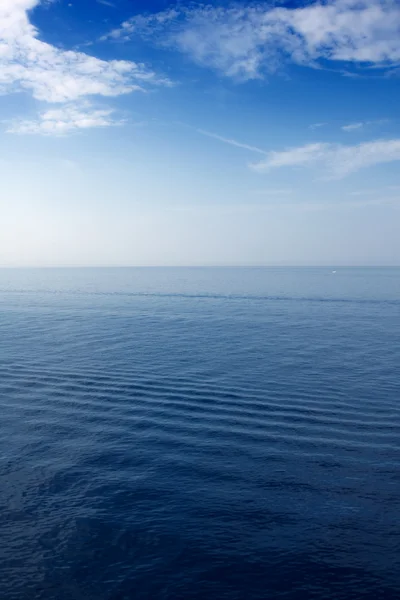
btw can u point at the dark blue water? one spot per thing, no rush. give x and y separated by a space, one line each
200 434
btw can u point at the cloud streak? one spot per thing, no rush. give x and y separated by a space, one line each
335 159
231 141
317 125
353 126
107 3
362 124
246 42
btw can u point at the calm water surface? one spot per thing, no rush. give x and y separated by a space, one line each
200 434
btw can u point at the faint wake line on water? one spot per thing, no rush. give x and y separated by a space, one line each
200 296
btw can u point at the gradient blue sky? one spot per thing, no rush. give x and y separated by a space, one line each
164 133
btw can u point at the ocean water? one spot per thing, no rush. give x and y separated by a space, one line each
200 434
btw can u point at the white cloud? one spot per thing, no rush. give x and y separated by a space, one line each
317 125
63 120
57 76
338 160
353 126
361 124
145 24
245 41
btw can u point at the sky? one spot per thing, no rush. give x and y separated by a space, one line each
149 132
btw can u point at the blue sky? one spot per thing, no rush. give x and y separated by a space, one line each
164 133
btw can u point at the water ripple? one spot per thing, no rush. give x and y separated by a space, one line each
242 443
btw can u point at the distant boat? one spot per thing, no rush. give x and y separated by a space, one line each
333 271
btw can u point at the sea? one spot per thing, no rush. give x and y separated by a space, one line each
200 434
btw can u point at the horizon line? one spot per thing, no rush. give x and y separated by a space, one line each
205 266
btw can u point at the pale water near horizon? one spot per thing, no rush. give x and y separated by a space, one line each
200 434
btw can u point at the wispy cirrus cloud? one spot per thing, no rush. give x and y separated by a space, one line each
317 125
245 42
362 124
52 75
353 126
336 160
107 3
